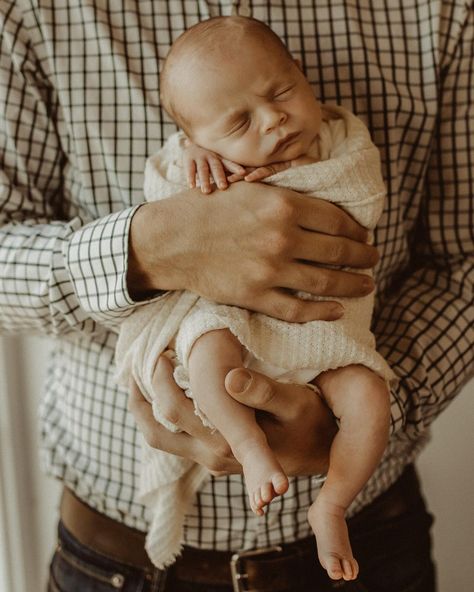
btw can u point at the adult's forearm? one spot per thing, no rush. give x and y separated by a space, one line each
57 277
252 246
426 332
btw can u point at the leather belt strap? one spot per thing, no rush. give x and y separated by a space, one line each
102 534
274 569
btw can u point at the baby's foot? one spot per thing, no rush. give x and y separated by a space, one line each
264 477
334 549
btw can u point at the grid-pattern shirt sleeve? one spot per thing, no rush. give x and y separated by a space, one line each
425 327
57 275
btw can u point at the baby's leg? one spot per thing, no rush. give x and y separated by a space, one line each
212 357
360 399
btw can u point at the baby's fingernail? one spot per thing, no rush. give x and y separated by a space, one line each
337 310
238 380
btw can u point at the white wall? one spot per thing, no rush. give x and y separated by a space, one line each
447 472
446 467
30 500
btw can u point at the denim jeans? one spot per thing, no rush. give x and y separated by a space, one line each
394 555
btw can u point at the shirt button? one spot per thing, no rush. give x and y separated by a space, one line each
117 580
244 8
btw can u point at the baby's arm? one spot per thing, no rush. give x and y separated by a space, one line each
253 174
201 164
213 355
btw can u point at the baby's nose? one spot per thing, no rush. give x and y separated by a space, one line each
273 120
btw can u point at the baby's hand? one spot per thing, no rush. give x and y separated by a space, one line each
203 165
253 174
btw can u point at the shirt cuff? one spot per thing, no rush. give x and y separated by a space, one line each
97 260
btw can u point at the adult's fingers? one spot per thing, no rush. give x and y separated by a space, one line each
283 400
199 444
321 281
175 407
323 216
155 434
282 305
297 422
334 250
206 447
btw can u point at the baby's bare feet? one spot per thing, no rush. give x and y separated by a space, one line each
264 477
334 549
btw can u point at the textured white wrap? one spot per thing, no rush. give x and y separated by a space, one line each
349 175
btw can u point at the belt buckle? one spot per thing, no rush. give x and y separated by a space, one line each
239 576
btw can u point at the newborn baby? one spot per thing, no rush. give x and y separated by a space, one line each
248 113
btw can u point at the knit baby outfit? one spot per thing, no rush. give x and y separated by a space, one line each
348 174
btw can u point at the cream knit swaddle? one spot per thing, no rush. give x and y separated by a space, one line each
348 175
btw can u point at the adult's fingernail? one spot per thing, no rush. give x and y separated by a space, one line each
239 380
369 284
337 310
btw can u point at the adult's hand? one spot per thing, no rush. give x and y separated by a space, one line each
298 425
251 246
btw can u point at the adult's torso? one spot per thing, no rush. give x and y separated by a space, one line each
101 61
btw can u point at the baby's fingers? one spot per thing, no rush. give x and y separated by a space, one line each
235 177
259 173
233 167
203 174
240 176
218 173
190 167
266 171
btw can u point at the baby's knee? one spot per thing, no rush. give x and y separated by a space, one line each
366 394
368 384
218 349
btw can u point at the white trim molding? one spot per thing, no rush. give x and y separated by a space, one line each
15 544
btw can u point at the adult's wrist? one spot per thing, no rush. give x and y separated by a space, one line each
140 281
159 247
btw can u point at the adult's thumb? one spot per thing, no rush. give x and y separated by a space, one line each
253 389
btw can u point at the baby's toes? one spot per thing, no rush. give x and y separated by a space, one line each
256 503
350 568
280 483
334 567
267 493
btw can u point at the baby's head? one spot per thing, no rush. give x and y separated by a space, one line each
233 87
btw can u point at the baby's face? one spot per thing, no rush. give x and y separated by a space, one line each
254 110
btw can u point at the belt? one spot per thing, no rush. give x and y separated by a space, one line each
272 568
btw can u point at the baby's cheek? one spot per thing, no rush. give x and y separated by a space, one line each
247 152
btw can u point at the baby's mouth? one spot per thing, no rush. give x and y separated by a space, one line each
284 142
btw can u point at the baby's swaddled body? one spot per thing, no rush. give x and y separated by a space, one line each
347 174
